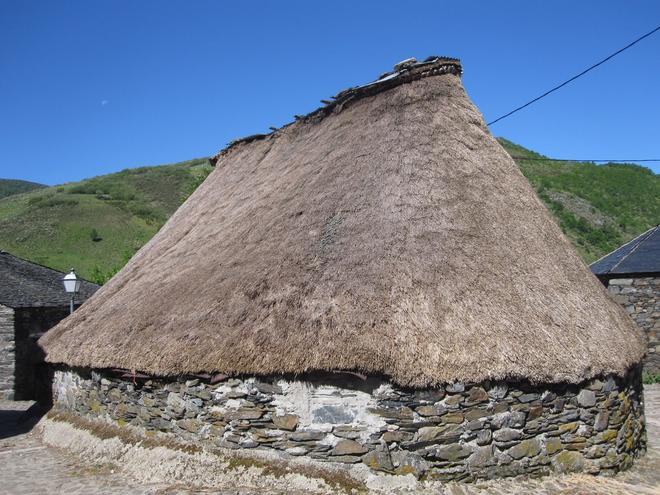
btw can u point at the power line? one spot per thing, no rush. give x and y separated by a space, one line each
575 77
583 160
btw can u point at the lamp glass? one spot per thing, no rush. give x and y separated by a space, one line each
71 282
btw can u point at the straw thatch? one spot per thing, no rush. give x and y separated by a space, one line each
387 234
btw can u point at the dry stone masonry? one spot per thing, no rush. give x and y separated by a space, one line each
458 432
641 299
7 352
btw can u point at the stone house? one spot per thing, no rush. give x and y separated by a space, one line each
32 300
631 274
374 286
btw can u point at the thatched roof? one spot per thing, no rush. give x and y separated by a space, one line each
390 234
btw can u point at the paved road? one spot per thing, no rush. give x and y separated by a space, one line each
31 468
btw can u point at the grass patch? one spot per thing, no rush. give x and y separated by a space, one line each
598 207
10 187
97 224
650 378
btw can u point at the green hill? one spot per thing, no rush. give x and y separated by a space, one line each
599 207
96 225
9 187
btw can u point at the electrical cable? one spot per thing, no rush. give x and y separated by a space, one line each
583 160
575 77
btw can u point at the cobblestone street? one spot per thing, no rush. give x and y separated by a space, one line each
30 467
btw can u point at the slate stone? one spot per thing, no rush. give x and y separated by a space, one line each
287 422
268 388
528 397
306 436
454 388
568 462
348 447
552 445
378 460
333 415
437 433
433 395
534 412
473 414
513 419
477 395
453 452
245 413
498 391
482 457
453 401
296 451
409 463
397 436
427 411
506 435
602 420
484 437
191 425
586 398
350 432
455 418
596 386
526 448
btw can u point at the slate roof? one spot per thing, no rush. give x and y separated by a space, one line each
639 256
24 284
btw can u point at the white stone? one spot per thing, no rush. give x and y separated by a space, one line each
621 281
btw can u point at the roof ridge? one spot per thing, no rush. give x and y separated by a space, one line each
25 260
641 238
406 71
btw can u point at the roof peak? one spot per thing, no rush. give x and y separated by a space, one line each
406 71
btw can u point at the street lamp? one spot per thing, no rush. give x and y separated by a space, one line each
71 286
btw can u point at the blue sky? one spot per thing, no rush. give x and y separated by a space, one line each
91 87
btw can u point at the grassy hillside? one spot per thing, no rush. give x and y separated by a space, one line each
97 224
599 207
9 187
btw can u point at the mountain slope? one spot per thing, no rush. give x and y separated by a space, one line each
599 207
9 187
97 224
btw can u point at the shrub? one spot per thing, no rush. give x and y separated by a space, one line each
649 378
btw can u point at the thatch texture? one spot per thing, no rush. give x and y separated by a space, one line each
393 235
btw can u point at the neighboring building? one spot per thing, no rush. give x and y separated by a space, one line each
32 300
632 275
375 283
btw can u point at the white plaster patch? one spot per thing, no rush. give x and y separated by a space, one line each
323 407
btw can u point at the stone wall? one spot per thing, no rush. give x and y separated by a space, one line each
30 371
454 433
7 352
641 299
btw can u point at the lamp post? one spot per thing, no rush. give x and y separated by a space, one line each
71 286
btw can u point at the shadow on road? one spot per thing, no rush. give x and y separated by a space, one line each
19 421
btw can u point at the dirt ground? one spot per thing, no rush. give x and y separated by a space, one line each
31 467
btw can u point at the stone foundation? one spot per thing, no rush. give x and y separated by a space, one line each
641 299
458 432
7 352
